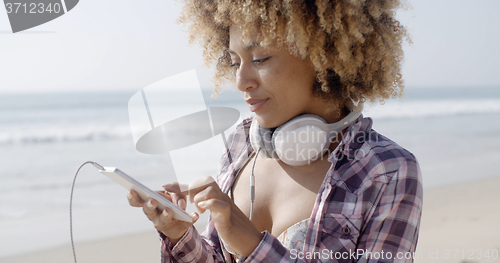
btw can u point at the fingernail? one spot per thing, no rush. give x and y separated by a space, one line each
166 185
195 216
182 203
201 204
129 195
150 203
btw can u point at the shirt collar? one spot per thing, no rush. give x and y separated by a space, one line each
356 134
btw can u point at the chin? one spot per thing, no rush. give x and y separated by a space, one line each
266 121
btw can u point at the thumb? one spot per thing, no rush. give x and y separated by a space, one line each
195 217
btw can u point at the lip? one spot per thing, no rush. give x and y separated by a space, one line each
255 104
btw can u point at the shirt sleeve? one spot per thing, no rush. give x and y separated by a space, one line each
392 230
193 247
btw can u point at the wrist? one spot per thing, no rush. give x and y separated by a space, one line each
174 239
252 244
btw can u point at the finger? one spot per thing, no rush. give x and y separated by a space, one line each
182 204
200 209
165 194
217 207
149 209
179 200
134 199
199 185
205 194
176 188
166 216
195 217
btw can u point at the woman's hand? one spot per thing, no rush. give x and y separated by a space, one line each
163 221
231 223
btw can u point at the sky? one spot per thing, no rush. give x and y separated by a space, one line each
129 44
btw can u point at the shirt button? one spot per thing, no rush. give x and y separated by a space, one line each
181 254
346 230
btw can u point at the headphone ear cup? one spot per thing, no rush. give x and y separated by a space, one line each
261 138
294 122
301 140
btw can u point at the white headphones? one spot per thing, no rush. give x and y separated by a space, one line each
301 140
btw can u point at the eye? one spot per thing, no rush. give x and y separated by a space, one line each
235 65
258 61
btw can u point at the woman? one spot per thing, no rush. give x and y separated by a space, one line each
360 198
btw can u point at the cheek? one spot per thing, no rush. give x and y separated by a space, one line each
271 74
275 81
301 82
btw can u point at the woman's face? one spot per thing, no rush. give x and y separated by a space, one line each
276 85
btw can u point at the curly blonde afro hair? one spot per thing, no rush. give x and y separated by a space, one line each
354 45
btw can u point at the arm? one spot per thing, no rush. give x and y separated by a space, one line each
207 245
229 223
193 247
180 241
207 248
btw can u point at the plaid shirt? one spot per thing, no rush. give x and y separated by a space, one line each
368 208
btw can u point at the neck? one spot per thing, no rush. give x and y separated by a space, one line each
330 113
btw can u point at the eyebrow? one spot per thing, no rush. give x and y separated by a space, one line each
247 48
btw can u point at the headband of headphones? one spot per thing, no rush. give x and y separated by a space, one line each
301 140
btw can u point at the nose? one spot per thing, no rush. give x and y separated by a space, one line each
246 78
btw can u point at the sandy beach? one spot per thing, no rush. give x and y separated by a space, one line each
460 223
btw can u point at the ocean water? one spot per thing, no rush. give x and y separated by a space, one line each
455 134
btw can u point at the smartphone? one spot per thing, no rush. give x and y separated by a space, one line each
144 192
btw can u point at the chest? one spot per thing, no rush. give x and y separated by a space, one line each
284 195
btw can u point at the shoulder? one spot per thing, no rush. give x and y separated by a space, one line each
367 155
237 150
238 140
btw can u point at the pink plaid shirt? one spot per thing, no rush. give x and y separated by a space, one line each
368 208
